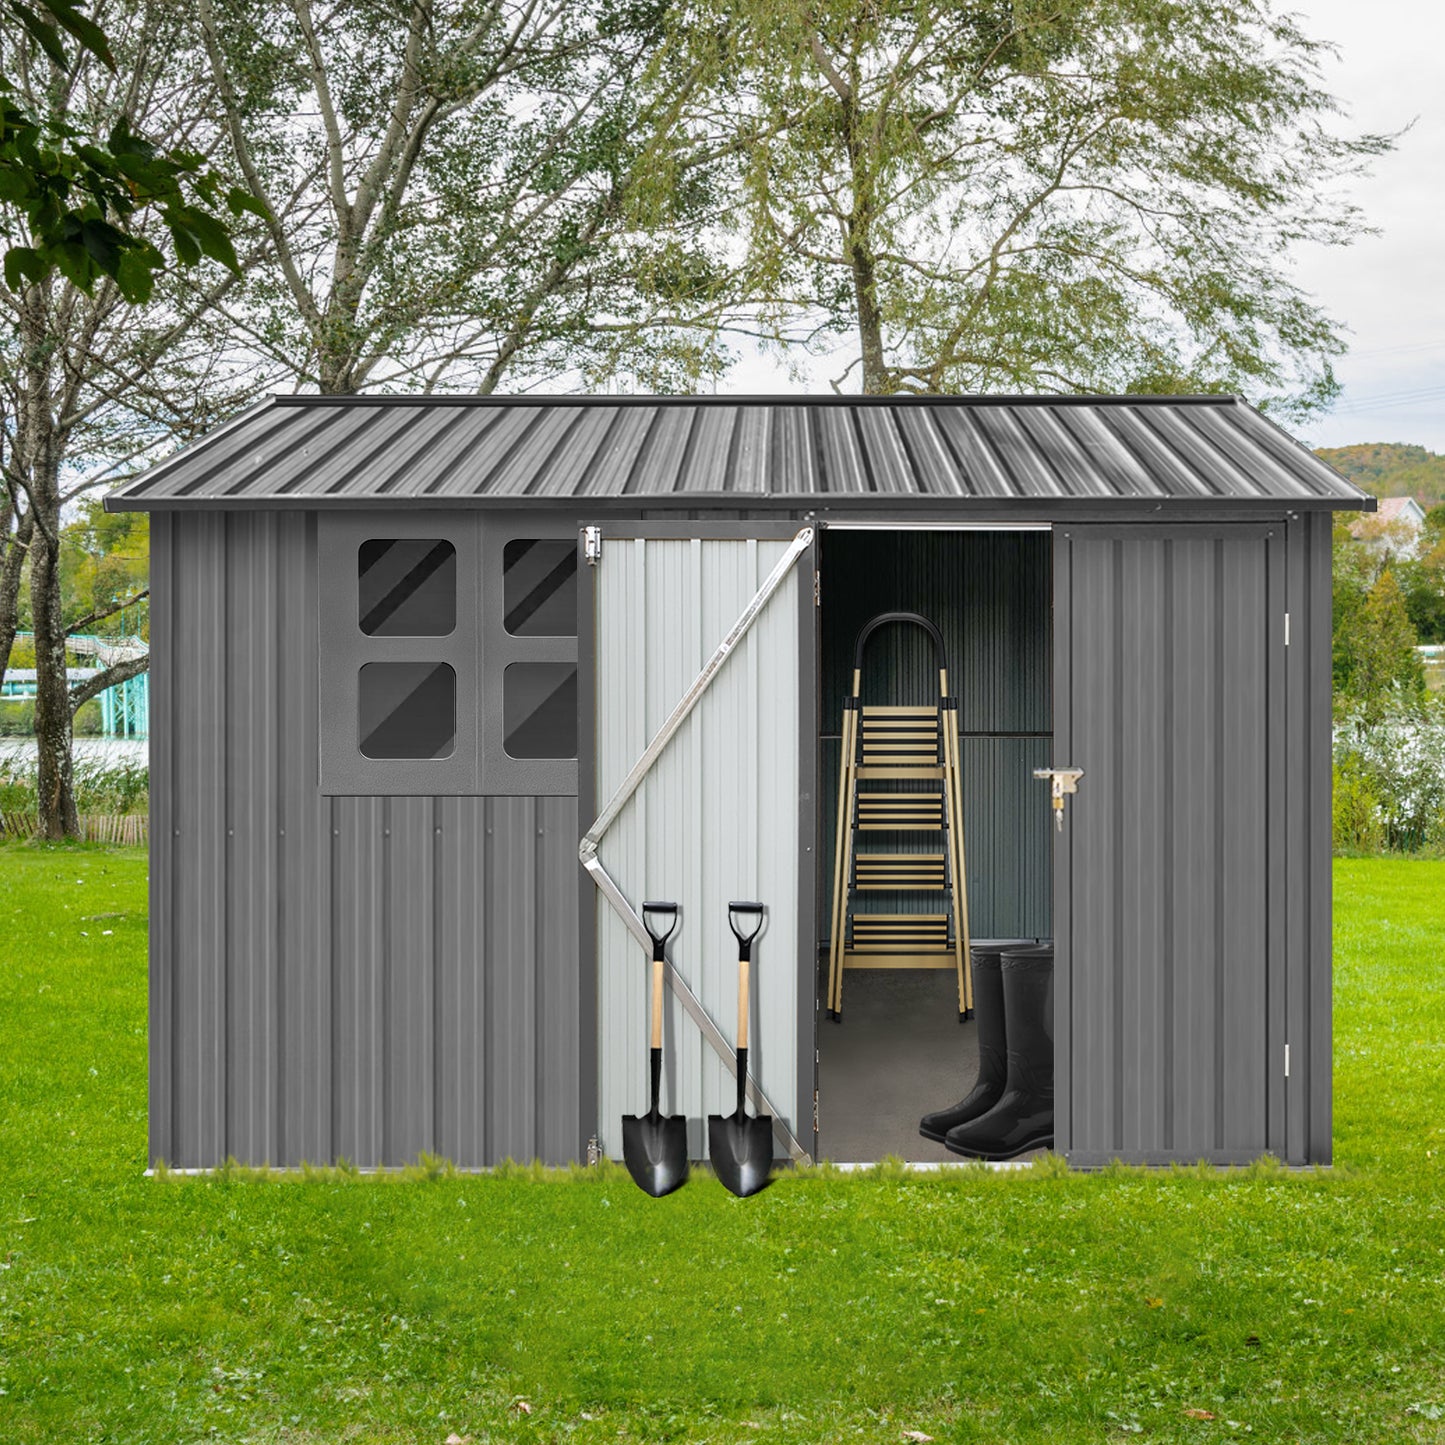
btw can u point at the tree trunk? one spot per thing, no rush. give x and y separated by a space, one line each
16 546
857 243
55 780
876 378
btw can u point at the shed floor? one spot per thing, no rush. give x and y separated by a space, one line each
899 1052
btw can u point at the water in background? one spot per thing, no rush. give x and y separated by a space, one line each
90 750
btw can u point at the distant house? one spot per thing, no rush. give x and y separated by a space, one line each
1394 528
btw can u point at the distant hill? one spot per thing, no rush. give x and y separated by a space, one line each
1391 469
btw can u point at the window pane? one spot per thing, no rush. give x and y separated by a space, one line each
408 587
408 709
539 581
539 710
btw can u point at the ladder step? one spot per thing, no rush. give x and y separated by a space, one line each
900 811
899 870
898 932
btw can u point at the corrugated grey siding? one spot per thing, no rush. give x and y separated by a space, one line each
990 594
716 819
310 451
1171 973
358 978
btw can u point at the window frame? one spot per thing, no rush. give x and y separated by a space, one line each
502 774
344 649
479 649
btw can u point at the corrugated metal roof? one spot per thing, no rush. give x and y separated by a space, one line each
416 451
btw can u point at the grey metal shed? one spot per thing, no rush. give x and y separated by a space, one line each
411 657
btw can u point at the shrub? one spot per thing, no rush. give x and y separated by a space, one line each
102 785
1357 826
1392 769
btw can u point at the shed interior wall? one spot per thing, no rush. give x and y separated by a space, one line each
900 1050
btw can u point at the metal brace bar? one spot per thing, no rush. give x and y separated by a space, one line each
693 695
607 885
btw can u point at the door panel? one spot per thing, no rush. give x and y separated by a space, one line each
1167 640
716 817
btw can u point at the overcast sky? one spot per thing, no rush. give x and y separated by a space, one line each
1389 289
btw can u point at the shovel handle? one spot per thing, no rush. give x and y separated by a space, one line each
657 967
744 967
743 935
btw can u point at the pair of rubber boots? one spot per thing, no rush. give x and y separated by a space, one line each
1010 1109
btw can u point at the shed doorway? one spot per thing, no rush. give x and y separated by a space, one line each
899 1050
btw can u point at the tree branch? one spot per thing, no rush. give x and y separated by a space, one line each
117 672
100 614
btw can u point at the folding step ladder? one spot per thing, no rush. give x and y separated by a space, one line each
899 773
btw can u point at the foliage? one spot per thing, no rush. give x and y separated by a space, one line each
1356 824
102 784
1374 660
105 560
1390 779
1391 470
74 200
1040 1306
1422 578
1094 195
464 195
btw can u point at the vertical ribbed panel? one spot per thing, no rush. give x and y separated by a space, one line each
358 978
1169 960
715 819
989 593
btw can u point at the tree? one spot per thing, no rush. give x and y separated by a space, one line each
460 192
91 385
1375 661
79 198
1055 195
1422 579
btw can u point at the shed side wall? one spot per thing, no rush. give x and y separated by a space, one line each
317 979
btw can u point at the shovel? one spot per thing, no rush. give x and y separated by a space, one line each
741 1149
654 1148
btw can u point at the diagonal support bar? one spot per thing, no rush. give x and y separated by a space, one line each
607 885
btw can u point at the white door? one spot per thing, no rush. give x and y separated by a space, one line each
702 783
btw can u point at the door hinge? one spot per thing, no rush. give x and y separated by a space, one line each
592 545
1286 629
815 1111
1286 1061
817 589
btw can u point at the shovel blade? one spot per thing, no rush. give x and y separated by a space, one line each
741 1151
654 1148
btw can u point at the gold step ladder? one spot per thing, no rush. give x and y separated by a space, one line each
899 773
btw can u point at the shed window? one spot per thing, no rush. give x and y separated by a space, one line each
539 710
407 709
539 584
407 587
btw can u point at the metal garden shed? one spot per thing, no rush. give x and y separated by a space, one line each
412 658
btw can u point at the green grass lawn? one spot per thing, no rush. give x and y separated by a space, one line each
1036 1306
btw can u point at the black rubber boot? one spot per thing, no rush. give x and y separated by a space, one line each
992 1064
1023 1118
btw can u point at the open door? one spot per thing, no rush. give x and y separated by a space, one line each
1169 694
699 704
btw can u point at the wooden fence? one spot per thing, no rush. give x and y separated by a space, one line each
126 829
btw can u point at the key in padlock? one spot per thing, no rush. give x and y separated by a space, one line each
1062 781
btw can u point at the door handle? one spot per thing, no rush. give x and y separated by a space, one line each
1062 782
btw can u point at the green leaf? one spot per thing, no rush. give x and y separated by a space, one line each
22 266
135 276
207 232
83 28
42 31
238 200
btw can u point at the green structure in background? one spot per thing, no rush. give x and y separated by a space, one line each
124 708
